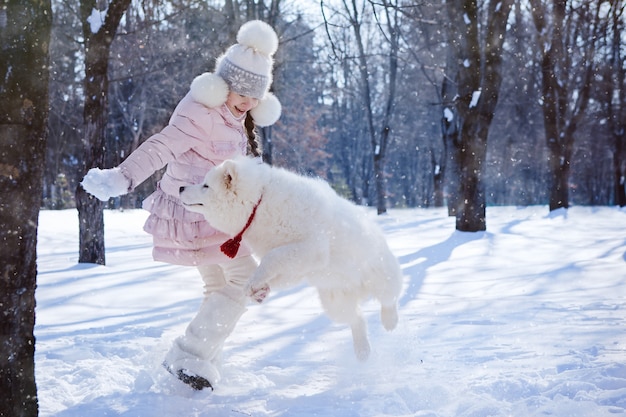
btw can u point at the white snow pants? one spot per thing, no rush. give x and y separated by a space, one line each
198 351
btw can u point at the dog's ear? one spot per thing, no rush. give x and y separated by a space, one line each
230 174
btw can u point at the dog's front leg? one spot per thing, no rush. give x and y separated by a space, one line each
285 266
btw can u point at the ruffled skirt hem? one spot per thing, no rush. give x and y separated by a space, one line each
180 236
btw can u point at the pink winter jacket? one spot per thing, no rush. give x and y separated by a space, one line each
196 139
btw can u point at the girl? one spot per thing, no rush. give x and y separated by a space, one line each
215 121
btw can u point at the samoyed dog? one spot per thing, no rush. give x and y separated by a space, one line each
300 229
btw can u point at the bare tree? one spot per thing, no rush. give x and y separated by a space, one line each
24 37
390 28
568 39
65 118
478 43
354 12
99 29
343 118
614 96
150 69
425 92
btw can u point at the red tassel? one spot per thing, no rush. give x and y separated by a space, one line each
231 246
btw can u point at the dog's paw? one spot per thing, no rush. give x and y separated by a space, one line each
362 351
258 294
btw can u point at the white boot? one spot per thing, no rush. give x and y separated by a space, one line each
194 358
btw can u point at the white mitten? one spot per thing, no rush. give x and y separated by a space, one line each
105 183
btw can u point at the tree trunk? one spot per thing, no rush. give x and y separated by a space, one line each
90 215
471 216
564 105
380 149
266 144
617 111
619 168
479 80
95 115
365 93
378 143
553 105
438 180
559 164
450 131
24 37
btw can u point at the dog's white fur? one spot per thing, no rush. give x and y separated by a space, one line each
303 230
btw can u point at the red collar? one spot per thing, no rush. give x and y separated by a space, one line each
231 246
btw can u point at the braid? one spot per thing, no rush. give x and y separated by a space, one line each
253 142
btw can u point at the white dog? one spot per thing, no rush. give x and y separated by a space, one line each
302 230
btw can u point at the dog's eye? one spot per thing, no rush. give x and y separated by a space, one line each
205 186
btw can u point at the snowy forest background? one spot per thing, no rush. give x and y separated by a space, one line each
397 103
160 46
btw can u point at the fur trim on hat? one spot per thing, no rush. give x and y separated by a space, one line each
267 112
209 89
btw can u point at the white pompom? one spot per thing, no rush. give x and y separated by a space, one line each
209 89
267 112
258 35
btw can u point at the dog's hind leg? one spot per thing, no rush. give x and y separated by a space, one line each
360 340
387 291
343 307
389 316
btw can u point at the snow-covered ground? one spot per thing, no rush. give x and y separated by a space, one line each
526 319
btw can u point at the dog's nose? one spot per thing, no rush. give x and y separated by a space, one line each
181 189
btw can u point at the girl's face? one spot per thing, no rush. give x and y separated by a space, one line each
239 105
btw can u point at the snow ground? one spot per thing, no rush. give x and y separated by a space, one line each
526 319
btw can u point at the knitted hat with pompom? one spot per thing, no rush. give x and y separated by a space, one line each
246 69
